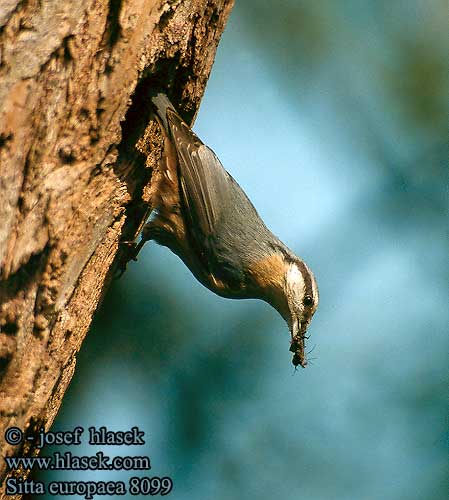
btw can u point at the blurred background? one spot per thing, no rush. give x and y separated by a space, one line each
333 117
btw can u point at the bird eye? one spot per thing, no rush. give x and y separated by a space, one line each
308 301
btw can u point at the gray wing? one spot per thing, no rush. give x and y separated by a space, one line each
205 184
225 229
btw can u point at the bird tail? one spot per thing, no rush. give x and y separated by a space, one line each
161 102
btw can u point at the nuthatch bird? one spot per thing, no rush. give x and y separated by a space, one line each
202 215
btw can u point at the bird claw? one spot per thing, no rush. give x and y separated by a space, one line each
131 249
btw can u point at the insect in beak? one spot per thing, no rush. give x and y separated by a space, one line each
297 345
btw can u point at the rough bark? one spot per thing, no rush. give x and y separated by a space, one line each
78 148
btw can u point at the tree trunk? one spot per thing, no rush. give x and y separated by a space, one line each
77 150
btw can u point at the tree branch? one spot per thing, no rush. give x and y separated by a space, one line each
77 151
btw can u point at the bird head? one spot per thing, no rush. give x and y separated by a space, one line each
301 296
294 293
284 281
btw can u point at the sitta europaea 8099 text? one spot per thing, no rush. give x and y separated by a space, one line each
202 214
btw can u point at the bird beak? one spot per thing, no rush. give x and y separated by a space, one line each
296 327
297 345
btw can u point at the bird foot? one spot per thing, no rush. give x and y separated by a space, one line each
129 252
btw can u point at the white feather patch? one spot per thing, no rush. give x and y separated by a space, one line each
296 289
295 281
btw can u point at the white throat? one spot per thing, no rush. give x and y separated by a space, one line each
296 289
